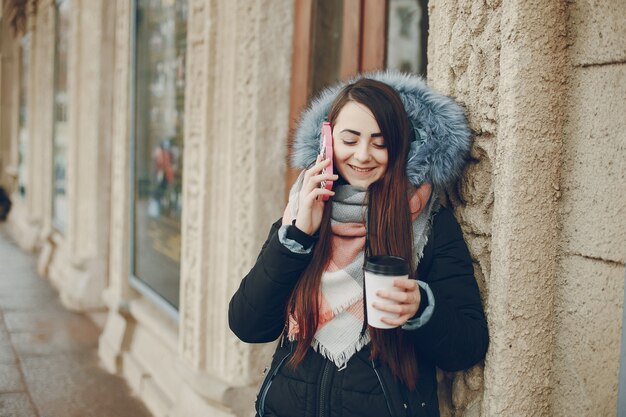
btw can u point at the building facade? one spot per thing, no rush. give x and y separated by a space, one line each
145 142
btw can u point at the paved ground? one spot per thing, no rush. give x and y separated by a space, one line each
48 356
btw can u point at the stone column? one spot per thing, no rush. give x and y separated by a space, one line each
8 114
464 62
51 263
26 222
118 325
239 55
40 168
80 257
505 60
518 371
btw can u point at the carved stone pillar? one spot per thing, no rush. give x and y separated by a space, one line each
118 325
237 107
8 105
40 146
26 220
504 61
79 263
525 245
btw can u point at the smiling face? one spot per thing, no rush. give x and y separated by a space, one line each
360 153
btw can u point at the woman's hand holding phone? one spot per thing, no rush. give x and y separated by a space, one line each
310 202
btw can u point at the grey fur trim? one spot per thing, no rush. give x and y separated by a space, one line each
443 138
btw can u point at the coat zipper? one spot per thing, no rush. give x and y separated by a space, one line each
382 385
323 383
267 383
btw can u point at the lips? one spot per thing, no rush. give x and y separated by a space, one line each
359 169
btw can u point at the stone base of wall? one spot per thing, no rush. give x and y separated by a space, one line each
141 344
80 288
22 230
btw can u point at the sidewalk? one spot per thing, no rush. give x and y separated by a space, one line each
48 355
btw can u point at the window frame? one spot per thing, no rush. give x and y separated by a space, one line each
135 282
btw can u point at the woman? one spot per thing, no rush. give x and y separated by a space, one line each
396 144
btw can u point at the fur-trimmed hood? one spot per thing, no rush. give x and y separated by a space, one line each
442 136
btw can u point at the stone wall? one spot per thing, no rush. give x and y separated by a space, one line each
590 285
544 210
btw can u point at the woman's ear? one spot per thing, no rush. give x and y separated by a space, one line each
420 198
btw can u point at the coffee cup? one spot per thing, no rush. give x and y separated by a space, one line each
380 272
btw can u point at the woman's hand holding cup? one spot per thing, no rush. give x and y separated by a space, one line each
310 203
392 298
408 301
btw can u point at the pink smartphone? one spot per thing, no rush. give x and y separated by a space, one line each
326 150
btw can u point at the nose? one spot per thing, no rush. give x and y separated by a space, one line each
362 152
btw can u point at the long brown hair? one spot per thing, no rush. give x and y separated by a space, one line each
390 229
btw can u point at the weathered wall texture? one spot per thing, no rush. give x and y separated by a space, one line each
544 211
464 62
589 295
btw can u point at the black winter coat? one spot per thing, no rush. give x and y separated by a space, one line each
454 338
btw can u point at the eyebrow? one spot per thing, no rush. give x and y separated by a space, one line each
355 132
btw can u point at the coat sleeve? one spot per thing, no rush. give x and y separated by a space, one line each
256 313
456 336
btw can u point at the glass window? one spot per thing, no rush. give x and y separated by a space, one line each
60 128
326 39
160 47
22 146
407 35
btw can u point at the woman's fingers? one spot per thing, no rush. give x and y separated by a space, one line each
397 321
406 302
314 176
396 308
409 295
317 168
405 284
313 195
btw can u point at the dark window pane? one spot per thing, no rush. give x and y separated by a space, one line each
161 33
326 44
407 35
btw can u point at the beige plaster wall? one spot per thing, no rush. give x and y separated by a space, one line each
544 212
590 286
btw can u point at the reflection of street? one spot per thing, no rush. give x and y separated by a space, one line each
163 240
157 252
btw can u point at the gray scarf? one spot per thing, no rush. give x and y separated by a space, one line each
341 317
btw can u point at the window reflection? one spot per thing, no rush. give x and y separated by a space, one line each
60 134
326 44
23 115
160 84
407 35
